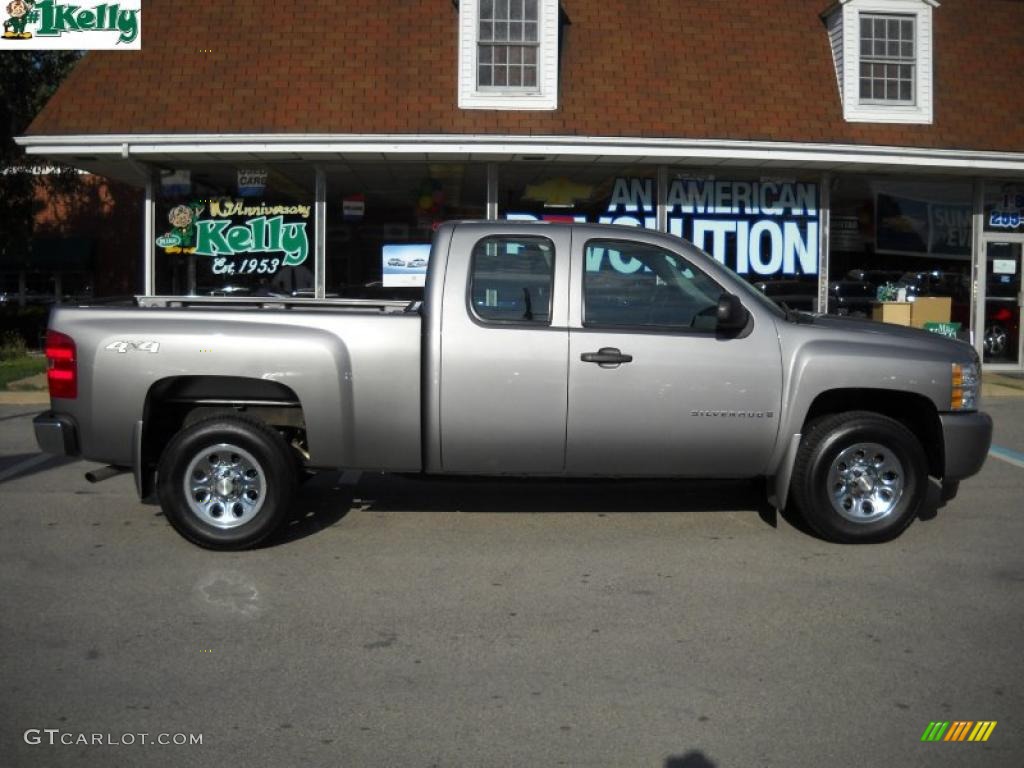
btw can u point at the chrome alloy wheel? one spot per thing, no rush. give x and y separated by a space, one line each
997 339
225 486
865 482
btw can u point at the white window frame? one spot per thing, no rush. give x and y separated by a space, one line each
867 111
886 60
542 97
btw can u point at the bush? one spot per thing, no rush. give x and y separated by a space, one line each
12 345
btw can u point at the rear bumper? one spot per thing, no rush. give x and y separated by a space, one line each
967 438
56 433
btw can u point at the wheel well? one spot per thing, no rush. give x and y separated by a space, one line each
179 401
916 412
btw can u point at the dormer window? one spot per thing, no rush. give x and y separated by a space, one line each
508 54
507 44
882 51
888 59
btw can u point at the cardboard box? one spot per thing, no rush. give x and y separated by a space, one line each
930 309
897 312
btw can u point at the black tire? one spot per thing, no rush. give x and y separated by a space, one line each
252 508
832 444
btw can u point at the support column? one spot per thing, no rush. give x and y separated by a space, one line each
320 236
977 311
149 239
824 217
662 209
492 191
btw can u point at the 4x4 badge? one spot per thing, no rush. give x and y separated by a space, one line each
133 346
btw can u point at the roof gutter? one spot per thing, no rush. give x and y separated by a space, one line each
299 146
145 173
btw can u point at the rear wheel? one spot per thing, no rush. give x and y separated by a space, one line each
226 482
859 477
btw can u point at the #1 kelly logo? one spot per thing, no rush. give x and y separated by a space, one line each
48 24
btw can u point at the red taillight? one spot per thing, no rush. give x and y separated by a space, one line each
61 365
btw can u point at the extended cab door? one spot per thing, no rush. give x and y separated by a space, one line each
653 389
504 344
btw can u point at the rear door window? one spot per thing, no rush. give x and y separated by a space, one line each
511 280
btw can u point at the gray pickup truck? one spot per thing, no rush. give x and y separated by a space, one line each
559 350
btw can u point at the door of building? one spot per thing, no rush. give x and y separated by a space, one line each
1001 318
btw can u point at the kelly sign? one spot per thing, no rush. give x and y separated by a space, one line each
239 228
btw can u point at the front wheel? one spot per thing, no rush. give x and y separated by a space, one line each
226 482
859 477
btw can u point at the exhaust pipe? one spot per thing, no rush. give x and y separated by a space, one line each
105 473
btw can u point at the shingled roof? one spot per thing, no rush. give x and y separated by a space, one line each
660 68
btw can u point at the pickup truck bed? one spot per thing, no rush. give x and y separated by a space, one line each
355 372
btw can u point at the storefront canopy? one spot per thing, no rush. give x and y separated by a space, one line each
129 157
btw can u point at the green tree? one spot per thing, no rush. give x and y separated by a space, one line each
29 79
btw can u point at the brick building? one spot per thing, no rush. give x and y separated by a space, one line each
820 150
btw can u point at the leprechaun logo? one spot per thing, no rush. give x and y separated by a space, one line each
182 236
19 14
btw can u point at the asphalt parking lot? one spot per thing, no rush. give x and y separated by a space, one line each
410 622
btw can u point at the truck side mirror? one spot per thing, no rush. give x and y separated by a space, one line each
732 315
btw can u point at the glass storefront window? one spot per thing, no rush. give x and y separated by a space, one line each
901 240
766 229
607 194
1004 208
224 230
381 218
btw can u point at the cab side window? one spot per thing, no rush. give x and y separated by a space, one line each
511 280
637 285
